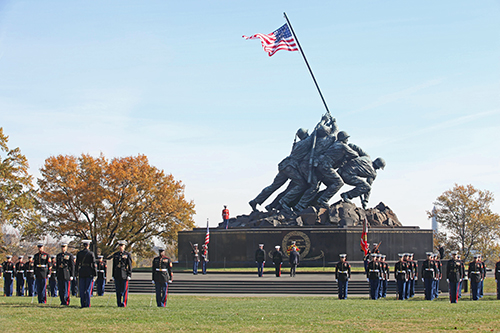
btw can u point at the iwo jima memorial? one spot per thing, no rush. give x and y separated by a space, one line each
321 164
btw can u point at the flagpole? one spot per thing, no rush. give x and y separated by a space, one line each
307 63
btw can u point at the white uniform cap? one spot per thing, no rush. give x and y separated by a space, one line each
343 255
277 247
122 242
86 241
8 256
64 244
261 244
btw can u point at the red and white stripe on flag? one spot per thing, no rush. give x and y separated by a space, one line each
207 236
281 39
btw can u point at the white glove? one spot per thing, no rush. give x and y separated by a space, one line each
48 276
367 280
447 280
71 278
169 281
128 278
422 280
153 282
335 280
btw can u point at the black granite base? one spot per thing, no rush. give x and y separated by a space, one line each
319 245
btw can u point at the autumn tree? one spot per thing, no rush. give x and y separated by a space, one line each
469 224
107 200
17 196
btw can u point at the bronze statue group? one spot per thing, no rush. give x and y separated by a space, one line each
65 272
324 157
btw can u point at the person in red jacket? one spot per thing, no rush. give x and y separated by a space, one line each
225 216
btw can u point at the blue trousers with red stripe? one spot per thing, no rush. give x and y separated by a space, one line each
41 290
64 291
85 285
161 294
454 288
121 287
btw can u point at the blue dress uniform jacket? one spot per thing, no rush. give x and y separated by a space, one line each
122 271
161 274
85 267
64 269
20 278
41 260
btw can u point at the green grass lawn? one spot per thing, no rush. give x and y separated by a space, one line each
256 314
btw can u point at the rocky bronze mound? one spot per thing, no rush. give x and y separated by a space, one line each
339 215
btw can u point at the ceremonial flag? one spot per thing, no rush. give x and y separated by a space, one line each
280 39
364 237
207 236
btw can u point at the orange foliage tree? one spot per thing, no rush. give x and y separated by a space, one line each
108 200
17 196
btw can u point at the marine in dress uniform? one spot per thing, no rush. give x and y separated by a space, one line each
401 276
9 272
20 276
474 272
65 271
122 273
497 278
29 273
101 275
162 276
86 271
428 274
204 258
413 274
385 276
277 260
439 275
454 276
342 275
373 276
42 266
53 277
483 276
195 252
260 259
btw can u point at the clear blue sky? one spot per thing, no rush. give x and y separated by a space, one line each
415 82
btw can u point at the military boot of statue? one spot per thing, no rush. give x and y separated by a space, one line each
345 197
253 204
285 208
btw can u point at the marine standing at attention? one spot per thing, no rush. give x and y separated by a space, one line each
342 275
65 270
86 270
42 263
122 273
162 276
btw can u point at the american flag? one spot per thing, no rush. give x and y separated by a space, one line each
207 236
364 237
280 39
